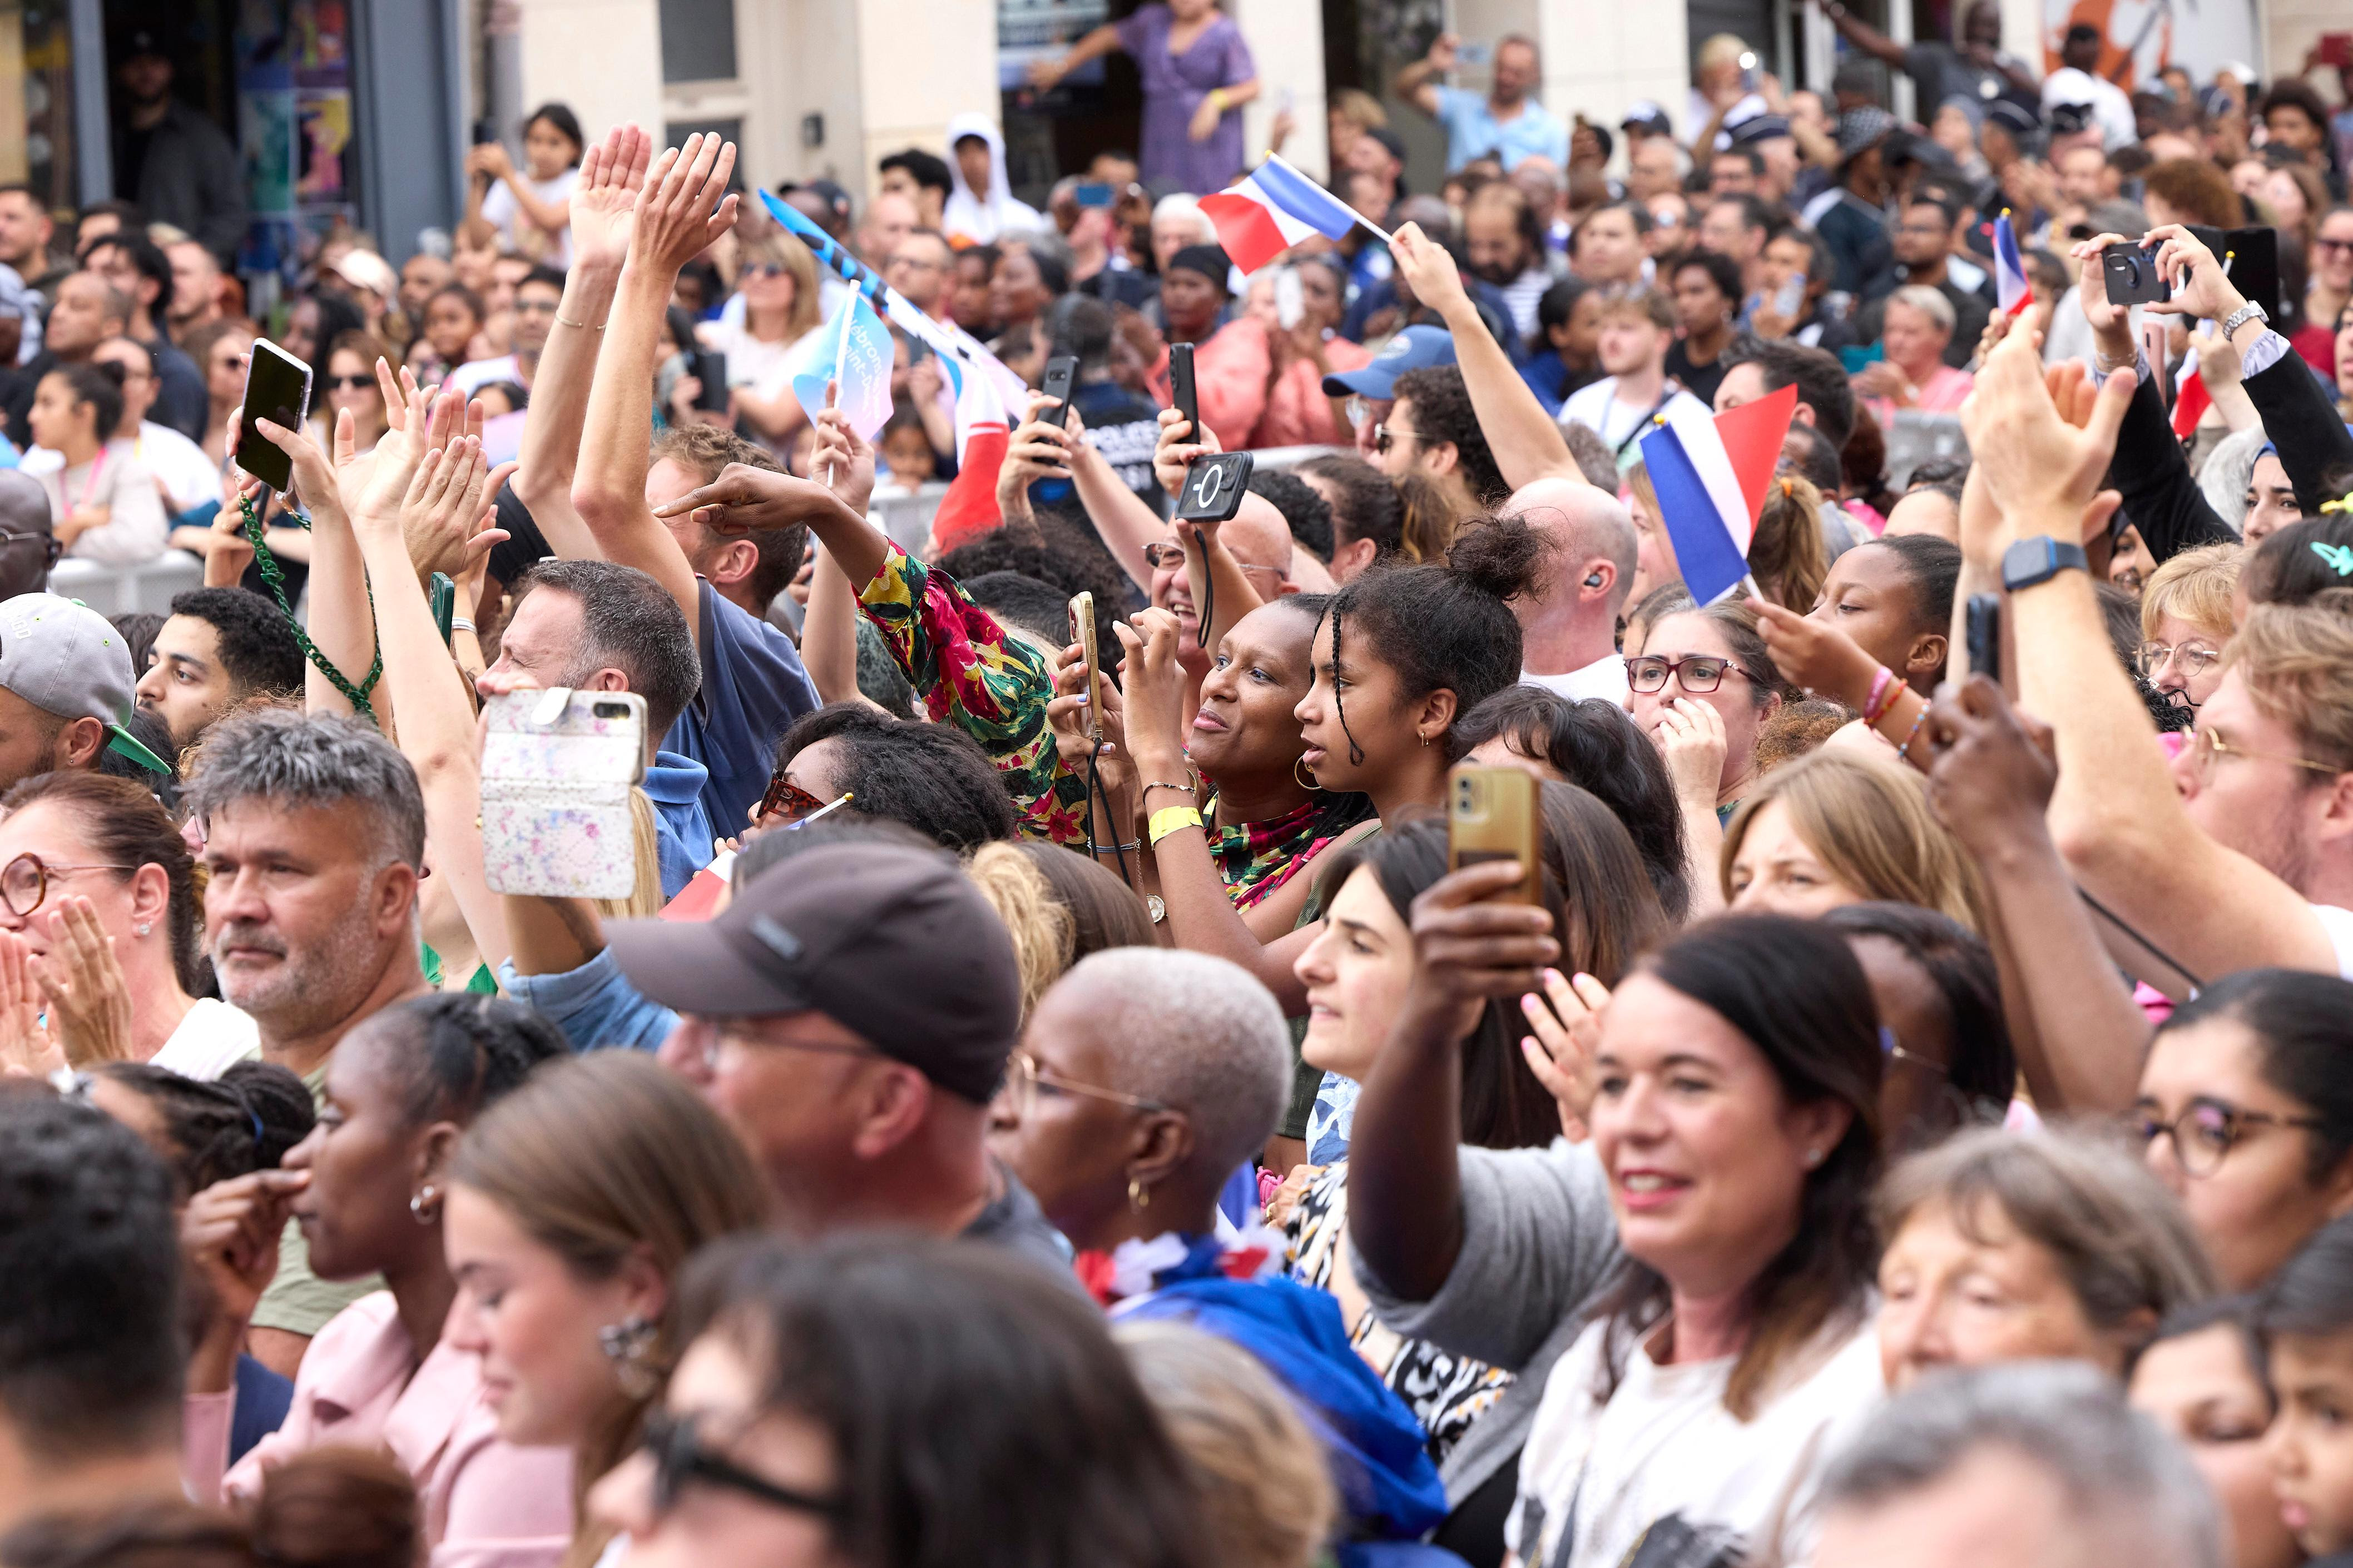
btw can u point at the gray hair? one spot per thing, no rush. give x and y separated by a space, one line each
1199 1035
2126 1483
2121 1240
2229 469
1925 301
628 622
292 759
1042 242
1182 205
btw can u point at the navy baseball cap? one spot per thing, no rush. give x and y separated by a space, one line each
1415 348
1644 115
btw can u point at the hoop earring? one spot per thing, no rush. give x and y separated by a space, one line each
628 1345
1301 776
425 1204
1139 1196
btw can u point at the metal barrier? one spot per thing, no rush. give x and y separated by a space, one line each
122 590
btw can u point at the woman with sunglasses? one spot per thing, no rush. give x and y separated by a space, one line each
352 383
369 1188
92 864
2247 1112
571 1207
778 292
897 1403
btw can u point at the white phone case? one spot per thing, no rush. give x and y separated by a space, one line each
557 767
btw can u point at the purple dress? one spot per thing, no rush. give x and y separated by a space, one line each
1173 87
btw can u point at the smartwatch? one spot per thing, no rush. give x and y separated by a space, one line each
2037 560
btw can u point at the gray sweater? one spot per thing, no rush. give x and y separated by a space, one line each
1539 1241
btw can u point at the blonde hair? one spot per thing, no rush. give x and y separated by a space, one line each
1265 1494
1722 50
2298 662
1432 509
645 900
1867 819
2197 585
788 252
605 1158
1044 935
1359 108
1788 556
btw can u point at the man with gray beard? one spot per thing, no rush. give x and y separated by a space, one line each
314 843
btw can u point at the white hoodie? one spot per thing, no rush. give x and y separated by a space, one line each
973 219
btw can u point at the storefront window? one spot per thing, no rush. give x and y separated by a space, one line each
37 137
294 128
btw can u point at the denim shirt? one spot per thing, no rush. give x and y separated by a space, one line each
594 1005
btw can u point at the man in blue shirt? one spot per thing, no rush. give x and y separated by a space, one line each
1507 123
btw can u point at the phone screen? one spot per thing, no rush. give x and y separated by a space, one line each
1094 194
277 388
711 379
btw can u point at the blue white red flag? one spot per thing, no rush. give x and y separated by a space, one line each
2010 286
1274 209
1710 472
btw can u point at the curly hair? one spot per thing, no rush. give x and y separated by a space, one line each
1442 412
932 777
1306 513
258 647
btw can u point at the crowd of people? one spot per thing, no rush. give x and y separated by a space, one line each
1902 1114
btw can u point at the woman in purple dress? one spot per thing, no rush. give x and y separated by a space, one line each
1197 73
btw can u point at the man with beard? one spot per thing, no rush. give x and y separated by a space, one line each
314 843
176 164
1506 242
1505 122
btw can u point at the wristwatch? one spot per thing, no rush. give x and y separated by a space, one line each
2250 312
2037 560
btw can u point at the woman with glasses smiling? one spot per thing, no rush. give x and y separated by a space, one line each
2247 1112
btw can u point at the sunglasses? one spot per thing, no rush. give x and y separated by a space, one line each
348 382
792 806
1383 438
680 1456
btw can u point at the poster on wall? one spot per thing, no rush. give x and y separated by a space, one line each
2141 38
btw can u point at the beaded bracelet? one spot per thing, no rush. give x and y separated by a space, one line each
1910 735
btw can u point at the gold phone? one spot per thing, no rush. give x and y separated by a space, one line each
1490 815
1082 632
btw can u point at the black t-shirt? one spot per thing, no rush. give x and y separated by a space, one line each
1699 380
131 160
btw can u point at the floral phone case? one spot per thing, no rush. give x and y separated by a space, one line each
558 768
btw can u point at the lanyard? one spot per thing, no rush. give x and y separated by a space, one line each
1644 423
97 467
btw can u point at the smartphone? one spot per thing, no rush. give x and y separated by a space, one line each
1853 358
1790 297
1474 54
1180 388
1093 194
1082 632
558 768
2132 276
1214 488
1984 632
441 594
277 388
1062 373
1290 299
1490 815
709 369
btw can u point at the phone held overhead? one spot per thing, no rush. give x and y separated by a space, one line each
277 388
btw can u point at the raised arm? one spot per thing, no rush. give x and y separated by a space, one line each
2116 816
1418 83
603 204
1527 441
1862 35
681 211
1102 41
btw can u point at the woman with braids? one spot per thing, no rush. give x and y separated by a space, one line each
367 1187
94 873
208 1132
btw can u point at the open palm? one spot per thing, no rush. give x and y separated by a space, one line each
605 201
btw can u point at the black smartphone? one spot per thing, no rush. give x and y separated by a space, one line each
277 388
1180 387
709 370
1061 374
2132 276
1214 487
1984 632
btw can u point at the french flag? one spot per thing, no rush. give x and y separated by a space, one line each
2011 287
1274 209
1710 472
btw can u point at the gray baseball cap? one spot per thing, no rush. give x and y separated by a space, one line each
66 658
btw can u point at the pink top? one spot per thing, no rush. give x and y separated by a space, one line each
1297 412
1942 393
487 1503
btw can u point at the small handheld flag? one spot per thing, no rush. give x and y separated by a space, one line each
856 355
1274 209
2009 281
1710 473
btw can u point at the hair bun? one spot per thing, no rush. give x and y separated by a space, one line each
1500 556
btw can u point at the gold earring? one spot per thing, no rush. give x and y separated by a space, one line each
1304 779
1139 1196
1425 738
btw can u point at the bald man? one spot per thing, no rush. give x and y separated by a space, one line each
1259 540
1568 626
27 547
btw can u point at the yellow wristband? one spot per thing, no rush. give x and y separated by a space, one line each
1217 95
1171 819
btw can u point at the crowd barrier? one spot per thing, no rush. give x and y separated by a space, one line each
1918 438
124 590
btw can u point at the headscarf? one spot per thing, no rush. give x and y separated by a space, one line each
972 219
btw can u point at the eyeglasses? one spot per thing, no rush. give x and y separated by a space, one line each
1385 437
348 382
1358 408
2333 245
1165 557
918 264
2207 746
24 882
764 269
1025 1081
2190 659
529 307
2207 1130
1698 675
680 1457
791 804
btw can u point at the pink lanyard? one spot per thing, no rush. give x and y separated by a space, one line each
97 466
